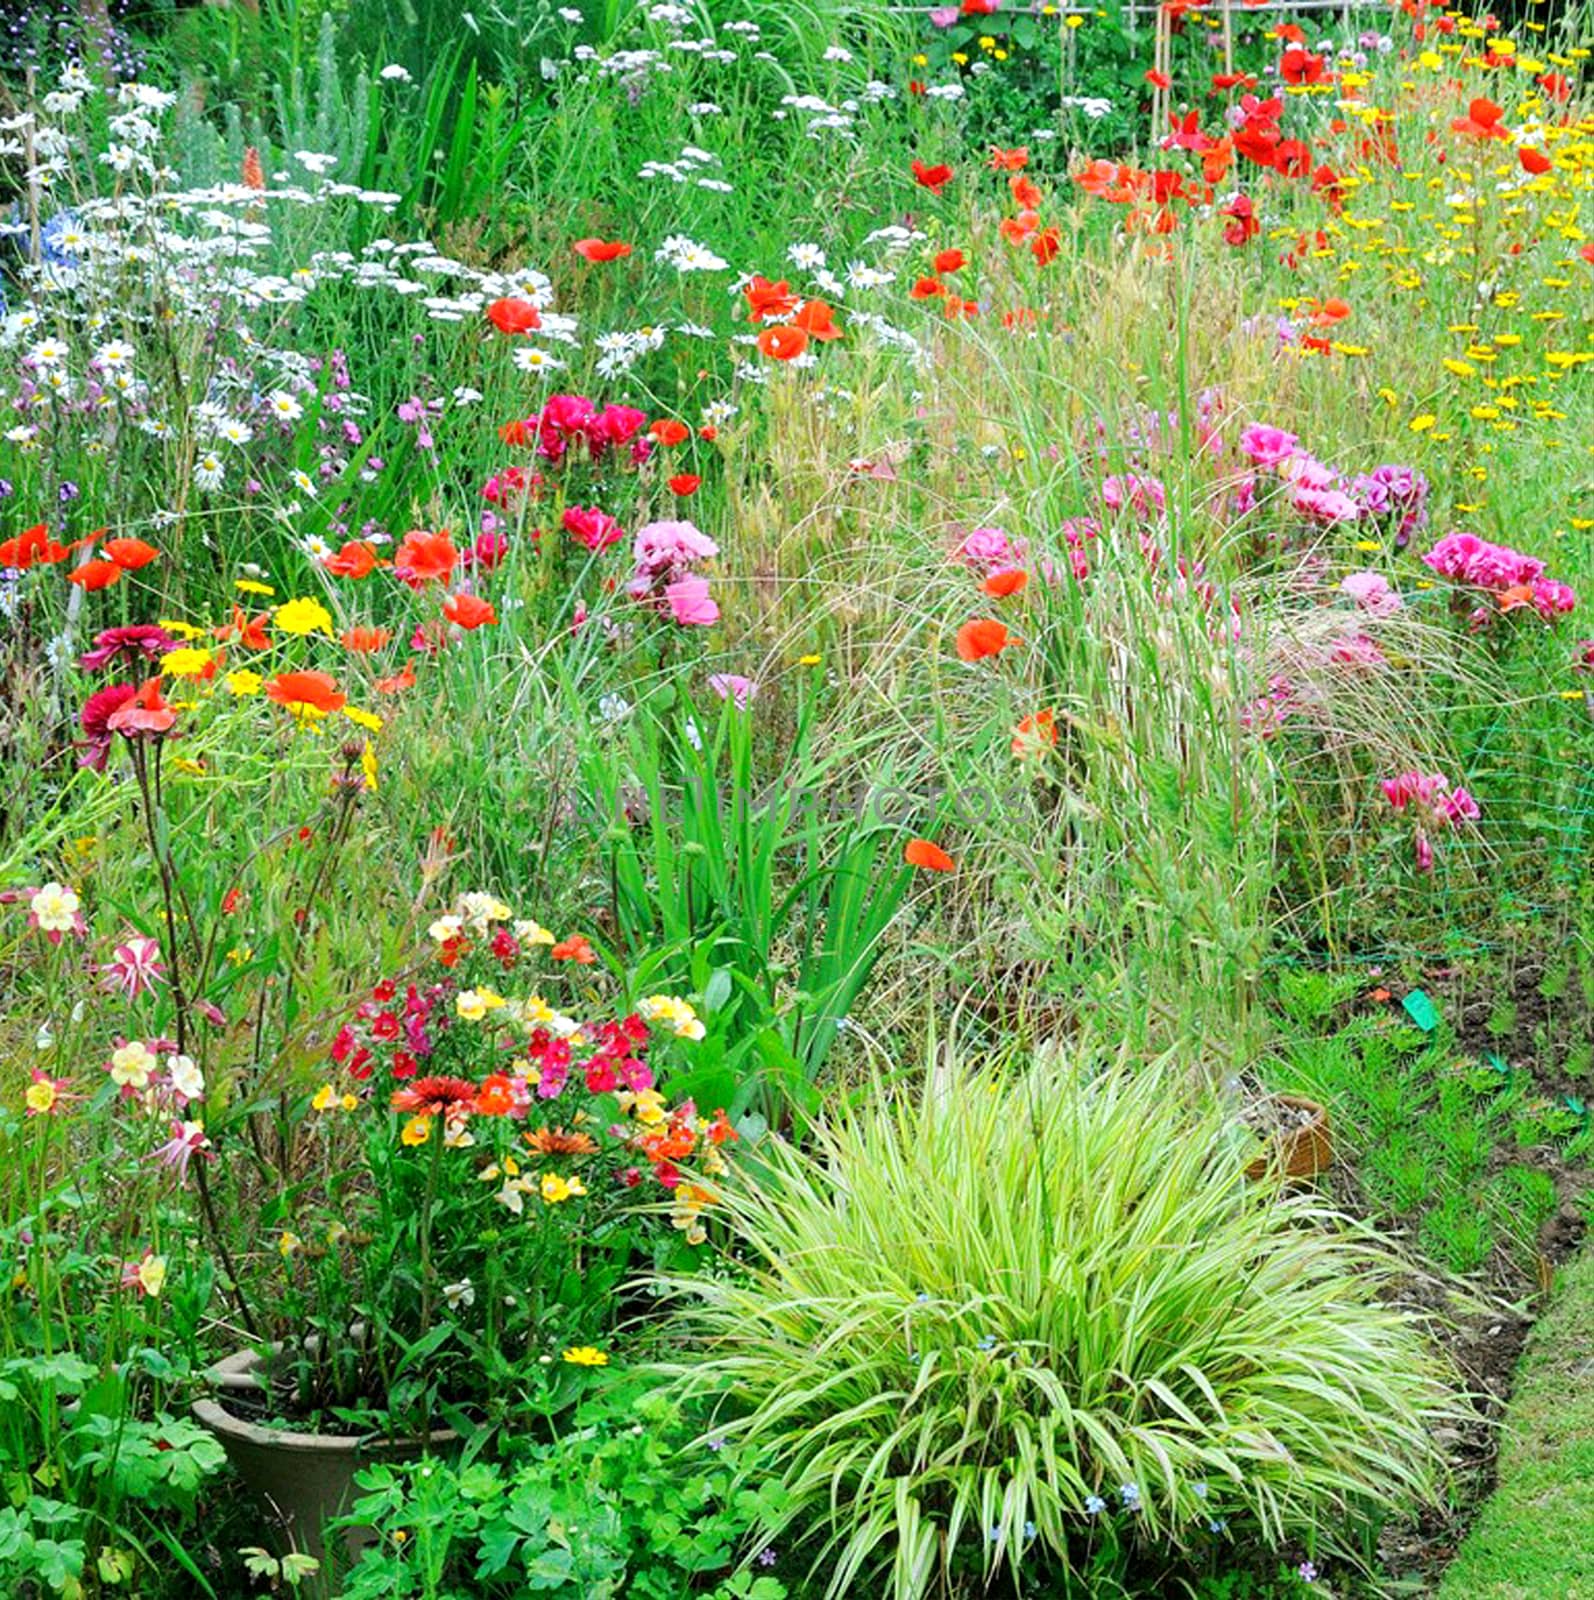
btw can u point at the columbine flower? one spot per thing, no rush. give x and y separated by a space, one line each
183 1073
45 1096
131 1066
53 910
147 1275
187 1140
135 970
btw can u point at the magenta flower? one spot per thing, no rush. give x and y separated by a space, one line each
187 1141
140 643
135 970
1268 446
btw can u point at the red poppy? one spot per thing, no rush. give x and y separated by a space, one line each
575 948
935 178
1045 246
1482 121
1034 735
667 431
34 547
1014 160
766 299
927 289
1009 582
981 638
144 712
306 693
1330 312
469 611
1025 195
1224 81
817 320
95 575
1534 161
1557 86
424 556
949 260
363 641
130 554
1300 67
930 857
357 559
399 682
601 250
685 483
1158 79
249 631
514 316
782 343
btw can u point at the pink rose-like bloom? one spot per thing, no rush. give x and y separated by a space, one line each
1307 472
986 547
662 545
1268 446
689 602
1370 590
1325 505
135 970
594 529
1551 599
1469 559
732 686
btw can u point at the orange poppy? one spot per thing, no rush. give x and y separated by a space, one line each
1014 160
34 547
469 611
249 631
667 431
146 712
130 554
399 682
357 559
1045 246
1518 595
1003 584
95 575
981 638
1017 229
927 289
575 948
931 857
601 250
1025 195
1330 312
766 299
782 343
817 320
424 556
685 483
1034 735
363 641
306 694
514 316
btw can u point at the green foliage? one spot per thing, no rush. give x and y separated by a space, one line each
625 1503
976 1306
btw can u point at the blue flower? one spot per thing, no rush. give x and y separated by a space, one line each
1130 1493
1029 1532
1094 1505
987 1341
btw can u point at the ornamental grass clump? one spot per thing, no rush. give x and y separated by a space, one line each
1029 1325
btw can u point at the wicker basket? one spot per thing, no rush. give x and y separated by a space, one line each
1297 1153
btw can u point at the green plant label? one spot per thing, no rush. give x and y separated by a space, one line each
1421 1010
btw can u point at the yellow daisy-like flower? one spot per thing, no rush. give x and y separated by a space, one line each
186 662
180 630
243 682
363 719
583 1355
303 617
249 586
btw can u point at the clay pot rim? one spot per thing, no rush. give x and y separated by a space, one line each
239 1371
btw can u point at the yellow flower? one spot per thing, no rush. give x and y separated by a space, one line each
185 662
555 1189
324 1098
1423 423
249 586
417 1131
363 719
368 766
288 1243
180 630
474 1004
243 682
151 1274
303 617
583 1355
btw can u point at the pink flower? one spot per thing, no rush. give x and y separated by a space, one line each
1325 505
689 602
594 529
1423 851
136 969
1143 494
1370 590
986 547
1268 446
187 1140
662 545
731 686
140 642
1551 598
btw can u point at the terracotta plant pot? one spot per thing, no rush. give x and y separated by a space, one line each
303 1479
1300 1150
